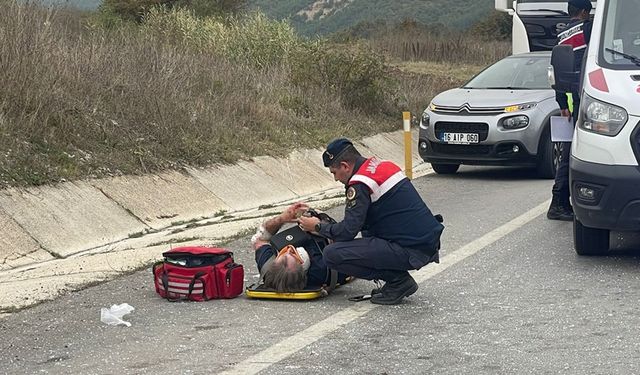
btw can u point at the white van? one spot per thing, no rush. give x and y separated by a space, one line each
536 23
605 153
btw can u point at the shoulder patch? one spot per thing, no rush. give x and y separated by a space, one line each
351 193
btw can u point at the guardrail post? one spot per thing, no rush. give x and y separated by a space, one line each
408 160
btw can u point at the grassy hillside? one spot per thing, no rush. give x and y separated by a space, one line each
328 16
311 17
86 101
79 4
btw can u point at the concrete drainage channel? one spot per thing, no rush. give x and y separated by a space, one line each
62 238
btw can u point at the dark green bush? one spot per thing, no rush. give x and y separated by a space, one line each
496 26
136 10
359 77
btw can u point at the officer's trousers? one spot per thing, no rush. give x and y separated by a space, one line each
561 189
373 258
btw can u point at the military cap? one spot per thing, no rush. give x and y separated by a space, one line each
581 4
334 149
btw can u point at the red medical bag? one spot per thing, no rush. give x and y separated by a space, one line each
198 273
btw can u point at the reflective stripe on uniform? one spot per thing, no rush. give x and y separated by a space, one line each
378 191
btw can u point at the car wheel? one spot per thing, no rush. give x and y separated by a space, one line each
590 241
445 168
548 156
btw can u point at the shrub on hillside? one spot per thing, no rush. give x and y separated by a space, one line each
260 41
410 40
130 10
496 26
252 40
360 77
136 10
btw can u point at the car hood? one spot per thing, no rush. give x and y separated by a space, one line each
491 98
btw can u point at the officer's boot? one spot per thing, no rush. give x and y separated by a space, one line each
558 210
395 290
379 287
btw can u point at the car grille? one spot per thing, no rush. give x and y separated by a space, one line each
441 148
482 129
467 110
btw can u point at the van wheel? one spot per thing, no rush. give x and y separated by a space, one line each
590 241
445 168
548 156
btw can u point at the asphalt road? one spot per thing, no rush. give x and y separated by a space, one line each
509 296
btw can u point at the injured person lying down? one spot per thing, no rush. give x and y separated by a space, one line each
291 260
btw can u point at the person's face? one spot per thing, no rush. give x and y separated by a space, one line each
290 256
584 14
341 172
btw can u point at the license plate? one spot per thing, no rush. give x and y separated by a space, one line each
460 138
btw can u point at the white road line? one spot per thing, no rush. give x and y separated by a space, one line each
292 344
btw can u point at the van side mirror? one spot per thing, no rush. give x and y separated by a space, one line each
563 63
503 6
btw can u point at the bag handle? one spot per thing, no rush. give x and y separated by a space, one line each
165 283
192 284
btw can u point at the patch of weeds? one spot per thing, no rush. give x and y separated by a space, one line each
137 234
11 309
174 241
197 225
183 222
299 106
166 216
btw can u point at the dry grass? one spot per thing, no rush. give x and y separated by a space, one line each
420 45
452 71
79 102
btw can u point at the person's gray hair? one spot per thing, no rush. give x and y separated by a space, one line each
284 278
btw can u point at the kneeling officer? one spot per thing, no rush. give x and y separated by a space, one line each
399 232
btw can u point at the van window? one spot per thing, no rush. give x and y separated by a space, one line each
621 33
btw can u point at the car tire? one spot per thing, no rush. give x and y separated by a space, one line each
548 156
445 168
590 241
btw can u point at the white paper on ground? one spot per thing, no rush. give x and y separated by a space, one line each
113 315
561 129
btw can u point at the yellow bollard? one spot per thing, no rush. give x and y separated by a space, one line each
408 160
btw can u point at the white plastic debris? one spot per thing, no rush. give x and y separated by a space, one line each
113 315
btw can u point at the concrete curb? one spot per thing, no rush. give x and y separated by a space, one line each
60 238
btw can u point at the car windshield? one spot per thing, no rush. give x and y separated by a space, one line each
515 73
621 35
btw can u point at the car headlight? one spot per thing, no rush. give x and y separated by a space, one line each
515 122
519 107
601 118
424 121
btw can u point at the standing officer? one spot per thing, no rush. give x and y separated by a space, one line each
576 34
399 232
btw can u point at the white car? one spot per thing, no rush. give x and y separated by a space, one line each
500 117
